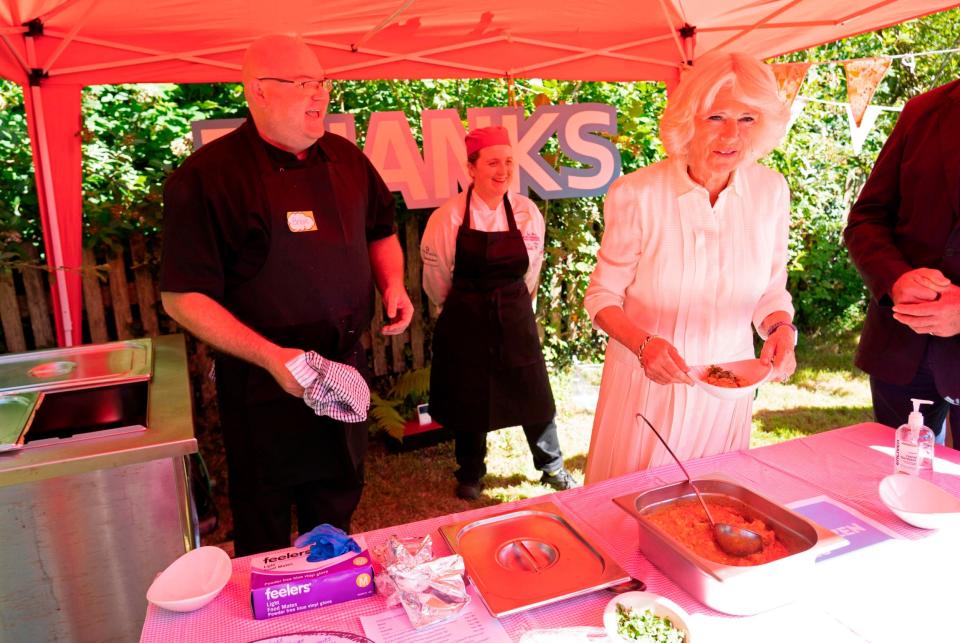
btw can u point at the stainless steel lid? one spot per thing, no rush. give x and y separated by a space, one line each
77 367
530 557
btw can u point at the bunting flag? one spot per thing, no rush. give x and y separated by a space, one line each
789 77
795 110
863 78
860 130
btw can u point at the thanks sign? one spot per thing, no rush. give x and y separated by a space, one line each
430 176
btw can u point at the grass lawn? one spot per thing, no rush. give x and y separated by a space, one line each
825 393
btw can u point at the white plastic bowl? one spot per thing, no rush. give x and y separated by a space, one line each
191 581
919 502
659 605
753 372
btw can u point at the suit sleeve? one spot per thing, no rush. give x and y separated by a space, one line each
869 234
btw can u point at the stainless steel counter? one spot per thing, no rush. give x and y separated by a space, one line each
88 523
170 432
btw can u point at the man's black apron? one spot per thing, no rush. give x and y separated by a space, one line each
313 292
488 370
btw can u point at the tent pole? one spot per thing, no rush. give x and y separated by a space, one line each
46 172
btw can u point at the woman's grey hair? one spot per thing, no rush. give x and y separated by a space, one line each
752 82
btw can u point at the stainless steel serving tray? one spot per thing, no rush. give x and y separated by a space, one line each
530 557
78 367
726 588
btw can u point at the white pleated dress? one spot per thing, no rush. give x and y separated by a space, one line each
697 275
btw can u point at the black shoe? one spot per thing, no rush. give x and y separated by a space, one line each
469 490
559 480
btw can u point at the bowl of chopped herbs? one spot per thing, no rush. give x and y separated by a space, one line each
646 617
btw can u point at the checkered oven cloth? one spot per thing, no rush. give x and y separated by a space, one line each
330 388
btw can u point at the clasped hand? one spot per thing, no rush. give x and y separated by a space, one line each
918 285
927 302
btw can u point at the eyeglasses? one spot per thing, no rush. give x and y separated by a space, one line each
306 86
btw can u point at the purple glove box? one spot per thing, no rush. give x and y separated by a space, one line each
283 582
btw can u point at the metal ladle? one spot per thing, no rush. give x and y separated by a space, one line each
736 541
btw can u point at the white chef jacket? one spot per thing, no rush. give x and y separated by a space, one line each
438 247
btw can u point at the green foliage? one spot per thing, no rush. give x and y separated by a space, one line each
389 412
412 384
386 417
18 198
133 137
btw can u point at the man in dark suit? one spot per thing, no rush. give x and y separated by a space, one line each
903 234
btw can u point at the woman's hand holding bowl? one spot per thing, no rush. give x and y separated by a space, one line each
778 350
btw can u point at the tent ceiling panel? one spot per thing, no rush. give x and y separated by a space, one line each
99 41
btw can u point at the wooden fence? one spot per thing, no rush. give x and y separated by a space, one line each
121 300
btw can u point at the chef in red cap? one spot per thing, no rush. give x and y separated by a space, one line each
482 251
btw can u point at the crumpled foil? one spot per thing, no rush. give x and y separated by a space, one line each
429 589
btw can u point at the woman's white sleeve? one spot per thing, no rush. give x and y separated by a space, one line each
620 247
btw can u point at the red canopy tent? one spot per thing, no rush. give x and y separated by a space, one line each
55 47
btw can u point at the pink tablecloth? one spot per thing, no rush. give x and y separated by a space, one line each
861 596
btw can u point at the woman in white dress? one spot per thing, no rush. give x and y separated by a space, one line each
694 251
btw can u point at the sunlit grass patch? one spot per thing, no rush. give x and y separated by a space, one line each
826 392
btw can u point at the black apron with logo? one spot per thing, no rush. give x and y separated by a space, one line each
313 292
488 370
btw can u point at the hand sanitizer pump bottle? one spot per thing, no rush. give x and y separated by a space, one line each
914 449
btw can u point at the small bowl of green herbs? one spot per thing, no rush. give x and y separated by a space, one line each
646 617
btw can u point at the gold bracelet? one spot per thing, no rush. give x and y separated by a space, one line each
643 346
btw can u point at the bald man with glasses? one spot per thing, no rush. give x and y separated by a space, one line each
275 237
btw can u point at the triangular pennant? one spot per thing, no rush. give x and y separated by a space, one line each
795 110
859 131
789 78
863 78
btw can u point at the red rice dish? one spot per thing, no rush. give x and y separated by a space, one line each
686 522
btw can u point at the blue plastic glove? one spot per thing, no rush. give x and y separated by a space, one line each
326 541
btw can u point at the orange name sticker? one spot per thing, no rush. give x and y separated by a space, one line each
301 221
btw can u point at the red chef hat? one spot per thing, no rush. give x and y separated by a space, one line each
483 137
